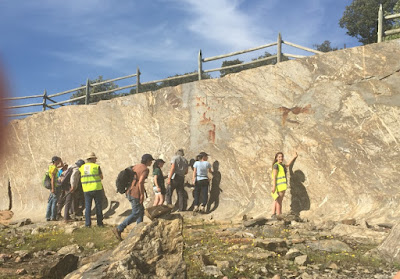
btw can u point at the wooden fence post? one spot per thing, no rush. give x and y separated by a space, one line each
137 79
380 23
44 100
200 69
279 49
87 99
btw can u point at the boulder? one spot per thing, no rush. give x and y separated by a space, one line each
329 245
62 267
152 250
70 249
389 249
255 222
157 211
358 232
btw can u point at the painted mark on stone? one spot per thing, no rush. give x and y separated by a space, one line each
295 110
205 120
211 134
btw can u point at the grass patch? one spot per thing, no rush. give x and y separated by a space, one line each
54 238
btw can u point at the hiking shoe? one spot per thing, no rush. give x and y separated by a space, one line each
203 209
273 217
196 208
117 233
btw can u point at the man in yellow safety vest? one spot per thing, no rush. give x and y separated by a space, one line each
91 177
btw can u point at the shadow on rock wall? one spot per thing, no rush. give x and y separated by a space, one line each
300 200
215 189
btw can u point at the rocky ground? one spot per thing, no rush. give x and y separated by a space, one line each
248 248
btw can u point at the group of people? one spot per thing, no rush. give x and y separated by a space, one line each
85 177
75 187
175 181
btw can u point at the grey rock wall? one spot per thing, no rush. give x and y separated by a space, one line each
340 111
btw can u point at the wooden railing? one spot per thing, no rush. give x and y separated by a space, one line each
382 33
45 97
277 56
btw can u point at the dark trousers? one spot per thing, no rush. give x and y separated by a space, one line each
178 184
97 196
69 205
201 187
60 202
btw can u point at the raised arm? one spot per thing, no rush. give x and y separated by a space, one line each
293 159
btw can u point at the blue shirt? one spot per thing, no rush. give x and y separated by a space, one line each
201 169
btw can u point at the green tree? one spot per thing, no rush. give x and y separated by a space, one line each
360 19
94 89
175 82
226 63
325 47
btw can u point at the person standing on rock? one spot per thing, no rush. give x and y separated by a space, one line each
51 212
159 185
279 181
135 195
201 182
176 179
71 195
91 177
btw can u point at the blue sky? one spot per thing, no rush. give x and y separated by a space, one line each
56 45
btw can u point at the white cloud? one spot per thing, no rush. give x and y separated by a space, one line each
222 23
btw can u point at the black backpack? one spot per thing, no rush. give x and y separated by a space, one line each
125 179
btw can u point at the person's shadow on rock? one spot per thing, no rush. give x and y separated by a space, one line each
300 200
111 210
215 189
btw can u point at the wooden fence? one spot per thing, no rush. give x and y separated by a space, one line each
381 33
45 98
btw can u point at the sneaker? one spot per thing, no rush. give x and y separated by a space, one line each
196 208
117 233
203 209
273 217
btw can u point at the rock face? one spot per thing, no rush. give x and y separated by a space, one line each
389 249
150 251
339 110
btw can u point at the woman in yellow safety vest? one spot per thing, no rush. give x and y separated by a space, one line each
279 182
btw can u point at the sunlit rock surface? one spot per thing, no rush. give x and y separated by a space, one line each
340 111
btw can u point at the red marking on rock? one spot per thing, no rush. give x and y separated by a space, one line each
211 134
205 120
295 110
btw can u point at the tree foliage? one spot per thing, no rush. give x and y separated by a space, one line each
94 89
225 63
167 83
325 47
360 19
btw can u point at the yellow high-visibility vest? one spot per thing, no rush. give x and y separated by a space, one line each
281 184
90 177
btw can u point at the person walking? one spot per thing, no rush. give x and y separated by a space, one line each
279 182
91 177
135 195
176 179
201 182
159 185
51 212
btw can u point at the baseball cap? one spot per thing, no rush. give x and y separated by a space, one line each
55 158
147 157
80 162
